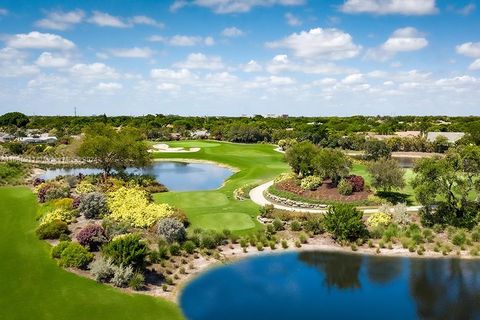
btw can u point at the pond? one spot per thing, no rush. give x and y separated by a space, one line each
326 285
176 176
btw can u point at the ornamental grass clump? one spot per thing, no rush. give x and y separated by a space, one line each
132 205
127 250
93 205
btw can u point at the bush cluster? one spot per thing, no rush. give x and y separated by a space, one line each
52 230
345 188
93 205
311 183
127 250
172 230
92 236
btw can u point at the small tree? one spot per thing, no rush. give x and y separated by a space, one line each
377 149
387 174
301 156
345 222
107 148
172 230
332 163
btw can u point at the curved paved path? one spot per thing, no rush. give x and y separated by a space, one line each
256 195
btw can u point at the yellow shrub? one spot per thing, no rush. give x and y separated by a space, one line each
132 205
64 203
58 214
85 187
379 219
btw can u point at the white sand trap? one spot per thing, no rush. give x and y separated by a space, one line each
162 147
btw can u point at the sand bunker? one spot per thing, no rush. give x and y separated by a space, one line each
162 147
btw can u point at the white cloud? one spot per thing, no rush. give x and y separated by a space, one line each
252 66
49 60
146 21
109 86
469 49
233 6
59 20
165 86
319 43
104 19
232 32
201 61
355 78
292 20
93 71
281 63
475 65
134 52
382 7
12 64
402 40
172 75
37 40
267 82
183 40
469 8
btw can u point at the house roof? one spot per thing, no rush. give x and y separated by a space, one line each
452 137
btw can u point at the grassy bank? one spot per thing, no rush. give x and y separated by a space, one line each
217 209
34 287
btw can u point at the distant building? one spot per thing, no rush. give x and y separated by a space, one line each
452 137
408 134
399 134
38 139
200 134
5 137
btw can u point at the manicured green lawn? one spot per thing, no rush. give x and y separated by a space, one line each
32 286
217 209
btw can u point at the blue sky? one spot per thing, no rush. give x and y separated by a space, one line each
233 57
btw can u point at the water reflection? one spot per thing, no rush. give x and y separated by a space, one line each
326 285
177 176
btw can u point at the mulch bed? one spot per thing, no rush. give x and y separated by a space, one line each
325 192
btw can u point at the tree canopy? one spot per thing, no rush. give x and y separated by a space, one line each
387 174
110 149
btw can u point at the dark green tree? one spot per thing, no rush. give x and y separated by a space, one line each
108 148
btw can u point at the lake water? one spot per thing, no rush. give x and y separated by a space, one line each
177 176
322 285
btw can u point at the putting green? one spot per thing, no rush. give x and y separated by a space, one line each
188 200
224 220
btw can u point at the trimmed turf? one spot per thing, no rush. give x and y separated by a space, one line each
224 220
257 163
32 286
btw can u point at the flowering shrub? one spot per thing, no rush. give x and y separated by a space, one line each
345 188
51 190
93 205
311 182
92 236
58 249
379 219
58 214
132 205
38 181
285 176
85 186
357 182
172 230
64 203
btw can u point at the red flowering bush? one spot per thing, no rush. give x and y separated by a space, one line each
92 236
357 182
